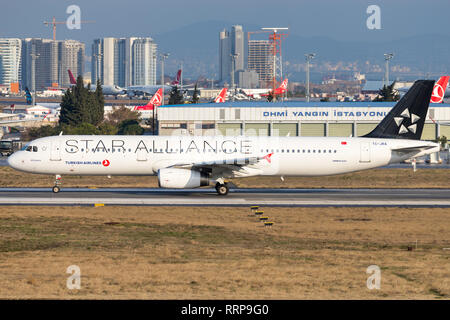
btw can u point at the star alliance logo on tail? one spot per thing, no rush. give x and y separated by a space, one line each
402 127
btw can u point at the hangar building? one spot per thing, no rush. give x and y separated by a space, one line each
293 118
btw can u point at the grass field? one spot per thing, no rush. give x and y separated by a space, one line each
224 253
377 178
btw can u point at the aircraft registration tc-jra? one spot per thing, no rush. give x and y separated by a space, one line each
196 161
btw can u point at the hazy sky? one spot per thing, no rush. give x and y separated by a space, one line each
338 19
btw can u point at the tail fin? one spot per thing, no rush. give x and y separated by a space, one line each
71 77
156 99
177 79
407 117
439 90
221 97
284 84
28 95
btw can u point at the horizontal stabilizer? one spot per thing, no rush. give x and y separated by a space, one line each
413 149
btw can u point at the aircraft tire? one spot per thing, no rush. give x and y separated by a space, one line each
222 189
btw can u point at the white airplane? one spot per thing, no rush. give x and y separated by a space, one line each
107 90
439 91
196 161
150 89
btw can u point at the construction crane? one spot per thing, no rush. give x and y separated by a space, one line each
53 23
275 38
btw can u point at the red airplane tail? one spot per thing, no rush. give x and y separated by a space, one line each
71 77
156 99
284 84
439 90
177 79
221 97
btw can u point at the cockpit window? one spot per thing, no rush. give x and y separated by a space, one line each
29 148
35 149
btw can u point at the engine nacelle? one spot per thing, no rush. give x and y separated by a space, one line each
182 178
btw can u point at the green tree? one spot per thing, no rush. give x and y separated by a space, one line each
387 93
121 114
176 96
82 128
442 140
107 129
99 105
195 95
39 132
130 127
80 105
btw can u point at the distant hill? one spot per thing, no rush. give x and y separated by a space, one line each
197 46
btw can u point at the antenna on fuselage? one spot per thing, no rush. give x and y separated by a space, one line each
60 134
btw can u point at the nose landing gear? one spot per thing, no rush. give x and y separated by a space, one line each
56 187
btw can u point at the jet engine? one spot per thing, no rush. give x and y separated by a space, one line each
182 178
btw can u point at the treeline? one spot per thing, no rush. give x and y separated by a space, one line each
82 113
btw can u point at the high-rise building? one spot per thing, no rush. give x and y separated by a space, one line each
144 62
52 59
71 56
124 61
224 56
260 59
10 58
231 43
237 47
39 63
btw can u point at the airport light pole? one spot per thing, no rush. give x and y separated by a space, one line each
34 56
233 66
163 57
387 57
309 57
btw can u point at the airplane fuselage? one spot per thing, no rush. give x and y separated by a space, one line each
145 155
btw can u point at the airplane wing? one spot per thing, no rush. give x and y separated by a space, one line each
240 162
230 165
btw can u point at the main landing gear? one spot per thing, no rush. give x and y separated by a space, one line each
222 188
56 187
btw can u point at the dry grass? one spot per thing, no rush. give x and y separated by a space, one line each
377 178
224 253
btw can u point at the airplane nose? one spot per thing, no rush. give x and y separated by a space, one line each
13 161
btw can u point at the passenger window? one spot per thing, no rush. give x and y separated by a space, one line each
318 151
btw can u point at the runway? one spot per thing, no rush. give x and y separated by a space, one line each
236 197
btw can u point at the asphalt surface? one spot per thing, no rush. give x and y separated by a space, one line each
236 197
